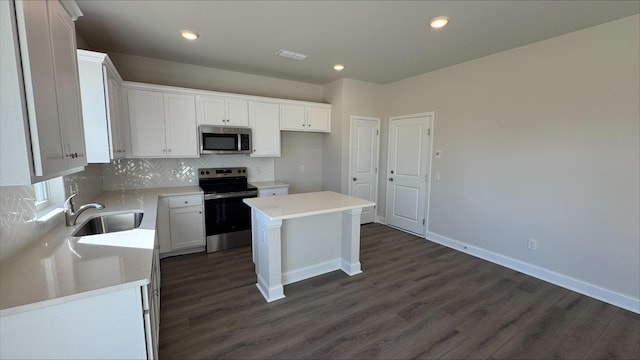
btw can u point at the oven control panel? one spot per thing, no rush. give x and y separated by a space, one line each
222 172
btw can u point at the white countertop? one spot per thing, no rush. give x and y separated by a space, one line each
268 184
59 267
305 204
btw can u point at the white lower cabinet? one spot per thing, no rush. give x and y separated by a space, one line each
121 324
181 224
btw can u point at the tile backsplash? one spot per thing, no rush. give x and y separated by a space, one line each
18 217
124 174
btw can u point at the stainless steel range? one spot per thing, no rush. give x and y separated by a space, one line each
227 218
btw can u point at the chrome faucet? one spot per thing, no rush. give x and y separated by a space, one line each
70 214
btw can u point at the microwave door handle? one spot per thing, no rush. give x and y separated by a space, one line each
239 142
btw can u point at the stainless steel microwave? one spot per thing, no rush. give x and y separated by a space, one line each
224 140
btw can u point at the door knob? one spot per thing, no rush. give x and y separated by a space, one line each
355 179
390 179
392 171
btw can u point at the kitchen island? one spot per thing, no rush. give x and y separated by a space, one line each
299 236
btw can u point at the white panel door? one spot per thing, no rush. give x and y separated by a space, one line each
409 155
211 111
187 227
292 117
237 112
265 129
363 163
318 119
180 123
146 114
67 85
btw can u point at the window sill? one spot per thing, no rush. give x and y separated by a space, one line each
46 214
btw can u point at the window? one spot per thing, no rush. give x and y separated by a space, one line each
48 197
42 198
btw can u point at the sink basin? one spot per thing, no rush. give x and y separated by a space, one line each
109 223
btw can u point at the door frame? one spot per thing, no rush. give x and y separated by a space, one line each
427 206
377 159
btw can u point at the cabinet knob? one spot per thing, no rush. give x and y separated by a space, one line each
355 179
199 212
186 202
169 150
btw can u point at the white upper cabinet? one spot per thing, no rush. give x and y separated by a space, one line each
265 120
305 118
162 124
105 125
41 133
180 122
220 111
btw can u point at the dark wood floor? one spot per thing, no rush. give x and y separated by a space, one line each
414 299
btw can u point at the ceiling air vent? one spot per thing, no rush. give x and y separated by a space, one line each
291 55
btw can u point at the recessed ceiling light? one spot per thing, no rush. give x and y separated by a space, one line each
189 35
439 22
338 67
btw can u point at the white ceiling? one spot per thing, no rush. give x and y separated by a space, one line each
378 41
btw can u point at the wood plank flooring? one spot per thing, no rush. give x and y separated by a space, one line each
414 299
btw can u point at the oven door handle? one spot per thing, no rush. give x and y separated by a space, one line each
230 195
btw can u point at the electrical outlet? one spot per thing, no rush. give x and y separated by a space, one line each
532 244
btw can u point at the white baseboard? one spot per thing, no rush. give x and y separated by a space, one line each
310 271
381 220
585 288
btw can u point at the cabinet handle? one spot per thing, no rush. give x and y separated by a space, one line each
164 150
169 150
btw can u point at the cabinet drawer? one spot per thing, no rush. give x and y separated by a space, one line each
273 191
182 201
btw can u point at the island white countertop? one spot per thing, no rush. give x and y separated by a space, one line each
305 204
59 267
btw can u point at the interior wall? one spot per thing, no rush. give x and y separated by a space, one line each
542 142
348 97
156 71
332 143
363 99
301 163
19 225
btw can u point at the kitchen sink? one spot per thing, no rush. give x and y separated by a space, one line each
109 223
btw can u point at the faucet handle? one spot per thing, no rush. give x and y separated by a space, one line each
68 203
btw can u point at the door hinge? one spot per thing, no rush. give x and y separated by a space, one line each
423 221
376 170
377 132
428 132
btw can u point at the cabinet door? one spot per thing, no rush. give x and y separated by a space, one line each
265 129
318 119
292 118
211 110
180 123
114 97
95 111
39 82
187 227
146 115
65 68
237 112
